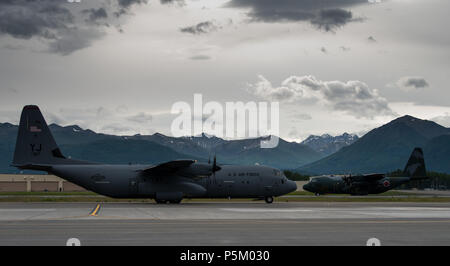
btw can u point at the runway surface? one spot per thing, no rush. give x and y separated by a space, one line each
255 223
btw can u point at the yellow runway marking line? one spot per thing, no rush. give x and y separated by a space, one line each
95 211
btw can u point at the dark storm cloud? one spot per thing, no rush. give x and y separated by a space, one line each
167 2
124 5
25 19
128 3
412 82
201 28
59 24
325 14
331 18
96 14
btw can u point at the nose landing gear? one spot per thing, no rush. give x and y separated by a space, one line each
268 199
158 201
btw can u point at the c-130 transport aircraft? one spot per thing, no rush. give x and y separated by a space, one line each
369 183
172 181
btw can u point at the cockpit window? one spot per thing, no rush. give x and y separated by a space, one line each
277 172
312 179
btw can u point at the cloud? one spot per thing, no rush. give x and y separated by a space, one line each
352 97
443 120
200 57
141 118
326 14
408 83
128 3
301 116
12 90
201 28
293 133
73 40
115 128
96 14
169 2
371 39
59 24
332 18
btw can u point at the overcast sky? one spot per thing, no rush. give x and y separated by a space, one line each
117 66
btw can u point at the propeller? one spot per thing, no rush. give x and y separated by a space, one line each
215 167
347 180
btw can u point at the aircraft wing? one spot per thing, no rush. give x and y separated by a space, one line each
363 178
168 167
373 177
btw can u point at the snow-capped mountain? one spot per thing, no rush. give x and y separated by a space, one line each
327 144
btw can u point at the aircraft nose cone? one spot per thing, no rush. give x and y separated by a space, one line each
307 187
293 186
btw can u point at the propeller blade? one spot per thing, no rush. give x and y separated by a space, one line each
215 167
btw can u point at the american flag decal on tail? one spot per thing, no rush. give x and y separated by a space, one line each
35 129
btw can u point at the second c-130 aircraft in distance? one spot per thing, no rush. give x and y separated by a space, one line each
369 183
172 181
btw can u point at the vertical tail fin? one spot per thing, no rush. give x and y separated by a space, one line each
415 168
35 146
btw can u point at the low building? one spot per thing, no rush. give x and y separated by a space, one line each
29 183
51 183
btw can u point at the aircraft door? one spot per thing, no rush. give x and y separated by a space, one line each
228 185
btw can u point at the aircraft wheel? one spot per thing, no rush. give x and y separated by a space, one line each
160 201
317 194
268 199
175 201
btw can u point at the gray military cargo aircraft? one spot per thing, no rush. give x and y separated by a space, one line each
369 183
172 181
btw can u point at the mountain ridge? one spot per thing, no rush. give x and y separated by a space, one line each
78 143
326 144
384 149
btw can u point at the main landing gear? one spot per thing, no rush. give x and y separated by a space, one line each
167 201
268 199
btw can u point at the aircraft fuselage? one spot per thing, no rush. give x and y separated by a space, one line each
335 184
127 181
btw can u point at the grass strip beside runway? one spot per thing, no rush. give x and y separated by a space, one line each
391 196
